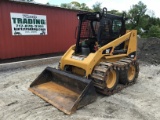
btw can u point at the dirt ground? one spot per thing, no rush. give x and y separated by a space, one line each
149 50
140 101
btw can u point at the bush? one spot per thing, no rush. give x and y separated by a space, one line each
154 31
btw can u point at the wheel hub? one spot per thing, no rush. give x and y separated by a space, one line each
111 79
131 73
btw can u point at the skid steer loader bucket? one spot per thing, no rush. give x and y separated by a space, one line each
65 91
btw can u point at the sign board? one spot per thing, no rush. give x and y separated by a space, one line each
28 24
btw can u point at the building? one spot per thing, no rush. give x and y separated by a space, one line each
29 29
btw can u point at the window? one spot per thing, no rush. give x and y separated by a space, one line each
96 26
116 25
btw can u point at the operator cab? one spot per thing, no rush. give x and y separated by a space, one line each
97 28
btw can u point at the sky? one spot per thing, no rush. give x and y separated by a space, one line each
121 5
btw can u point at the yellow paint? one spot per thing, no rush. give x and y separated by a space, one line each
78 71
111 79
130 39
131 73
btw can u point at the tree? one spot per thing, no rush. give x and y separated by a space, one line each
154 31
137 16
83 6
151 13
97 7
75 5
66 5
115 12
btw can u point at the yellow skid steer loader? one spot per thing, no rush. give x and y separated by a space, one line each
103 60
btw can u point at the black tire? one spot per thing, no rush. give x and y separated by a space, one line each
137 70
114 74
129 75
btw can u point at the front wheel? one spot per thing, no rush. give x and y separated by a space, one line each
112 79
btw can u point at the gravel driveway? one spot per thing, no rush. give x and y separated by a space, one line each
140 101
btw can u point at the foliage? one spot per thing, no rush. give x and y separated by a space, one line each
26 0
115 12
75 5
84 7
97 7
154 31
146 25
66 5
139 17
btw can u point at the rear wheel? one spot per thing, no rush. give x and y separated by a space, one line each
131 73
112 80
128 75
